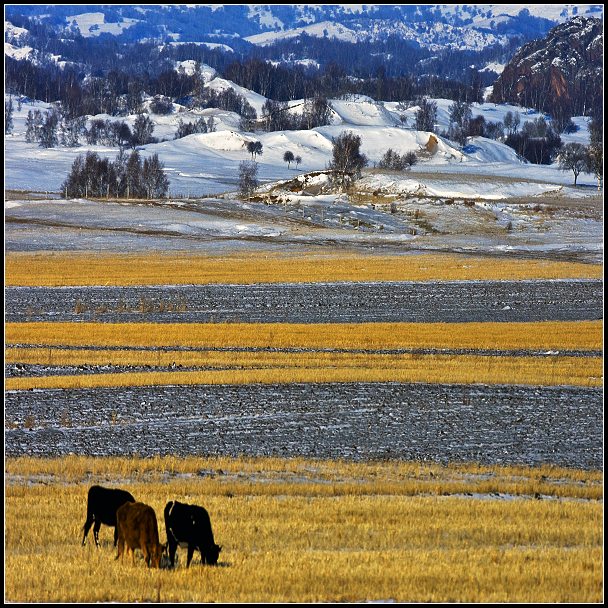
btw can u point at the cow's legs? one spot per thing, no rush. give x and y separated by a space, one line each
190 554
115 534
87 526
172 550
120 546
96 531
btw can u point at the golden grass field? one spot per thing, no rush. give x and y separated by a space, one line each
436 369
297 530
69 268
556 335
242 366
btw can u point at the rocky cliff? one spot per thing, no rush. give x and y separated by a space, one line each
561 74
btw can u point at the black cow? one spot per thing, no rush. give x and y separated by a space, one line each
189 525
102 504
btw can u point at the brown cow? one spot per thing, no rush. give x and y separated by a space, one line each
138 529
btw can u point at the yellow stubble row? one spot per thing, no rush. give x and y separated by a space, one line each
242 366
65 269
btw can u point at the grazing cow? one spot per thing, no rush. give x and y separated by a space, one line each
138 529
189 525
102 504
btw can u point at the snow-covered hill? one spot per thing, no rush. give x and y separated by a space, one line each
207 163
478 199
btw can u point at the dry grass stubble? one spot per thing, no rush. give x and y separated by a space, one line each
288 545
72 268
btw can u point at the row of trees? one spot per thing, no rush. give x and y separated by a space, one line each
278 116
127 177
397 162
121 91
54 128
199 126
538 140
379 61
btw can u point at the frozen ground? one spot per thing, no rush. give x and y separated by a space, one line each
554 228
478 199
419 302
441 423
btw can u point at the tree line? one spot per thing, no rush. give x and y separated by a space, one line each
125 177
117 85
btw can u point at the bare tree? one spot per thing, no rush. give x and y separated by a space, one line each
410 159
511 122
573 157
288 157
347 160
254 148
8 116
248 174
426 117
595 163
48 131
298 160
153 177
142 130
397 162
460 118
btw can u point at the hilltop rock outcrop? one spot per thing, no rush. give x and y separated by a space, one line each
561 74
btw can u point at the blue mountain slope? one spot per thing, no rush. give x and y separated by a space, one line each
195 23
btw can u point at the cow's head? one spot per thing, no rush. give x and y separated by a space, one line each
212 554
158 551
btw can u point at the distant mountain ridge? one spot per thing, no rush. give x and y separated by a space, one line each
561 74
431 26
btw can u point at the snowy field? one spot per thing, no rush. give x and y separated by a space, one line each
504 425
401 302
478 199
203 164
